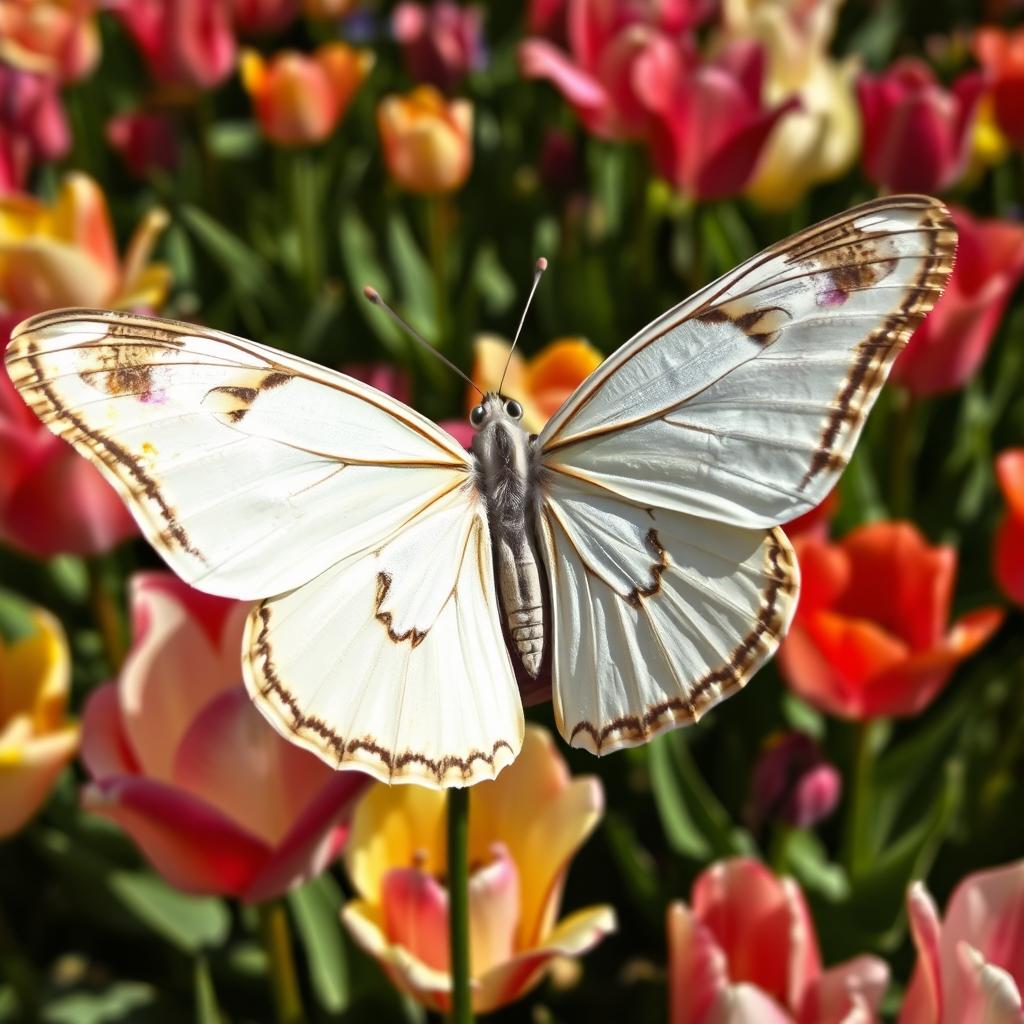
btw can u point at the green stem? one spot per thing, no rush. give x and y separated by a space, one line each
782 840
458 903
302 174
856 844
107 613
901 464
284 979
439 214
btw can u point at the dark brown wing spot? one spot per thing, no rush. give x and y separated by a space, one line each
415 636
761 324
658 568
235 400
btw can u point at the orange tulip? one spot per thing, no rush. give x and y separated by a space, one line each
53 37
299 99
1009 549
540 384
524 828
36 739
427 140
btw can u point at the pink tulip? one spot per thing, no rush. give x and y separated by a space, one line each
947 349
182 761
623 61
970 967
441 43
146 142
33 127
793 783
713 123
917 135
58 38
745 952
255 17
185 42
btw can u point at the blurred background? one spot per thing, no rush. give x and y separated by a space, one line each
841 841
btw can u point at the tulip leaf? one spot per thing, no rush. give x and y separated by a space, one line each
124 1001
413 275
16 621
207 1010
492 282
233 140
244 268
682 832
636 866
315 908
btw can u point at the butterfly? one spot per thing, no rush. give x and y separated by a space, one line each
632 549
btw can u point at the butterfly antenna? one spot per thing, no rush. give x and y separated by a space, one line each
539 268
374 296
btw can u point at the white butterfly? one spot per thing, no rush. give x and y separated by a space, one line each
390 564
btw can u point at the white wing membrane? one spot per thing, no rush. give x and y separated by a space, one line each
393 660
657 615
744 403
249 470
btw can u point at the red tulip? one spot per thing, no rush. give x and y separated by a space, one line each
818 520
970 967
917 135
1002 54
949 347
185 42
1009 553
263 16
182 760
746 952
793 783
441 43
32 125
146 142
870 633
622 63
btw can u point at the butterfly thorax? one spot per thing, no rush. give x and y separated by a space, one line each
505 469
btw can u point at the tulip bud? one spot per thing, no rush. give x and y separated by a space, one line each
427 140
793 783
263 16
441 43
146 142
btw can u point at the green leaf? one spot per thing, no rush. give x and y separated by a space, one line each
682 832
635 865
315 909
246 271
16 622
807 859
492 282
70 576
207 1010
124 1001
234 140
414 276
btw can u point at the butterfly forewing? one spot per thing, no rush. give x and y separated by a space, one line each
255 473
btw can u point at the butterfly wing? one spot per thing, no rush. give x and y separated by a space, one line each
663 474
255 474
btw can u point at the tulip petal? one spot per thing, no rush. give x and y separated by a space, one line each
849 993
414 905
28 772
190 843
746 1004
105 748
1010 474
539 59
923 1001
1009 558
698 972
997 997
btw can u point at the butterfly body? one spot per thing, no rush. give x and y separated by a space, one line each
506 473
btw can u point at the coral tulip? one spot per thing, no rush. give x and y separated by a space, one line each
427 140
36 739
441 43
1009 552
917 135
947 349
745 951
183 762
870 634
300 99
524 828
970 966
33 127
1001 53
540 384
54 37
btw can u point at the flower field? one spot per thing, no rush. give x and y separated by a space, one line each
838 843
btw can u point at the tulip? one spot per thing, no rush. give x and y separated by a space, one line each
64 254
1001 53
427 140
300 99
622 62
917 135
1009 550
970 967
441 43
524 828
58 38
947 349
254 17
745 951
540 384
181 759
793 783
710 133
36 738
33 127
186 43
146 142
869 637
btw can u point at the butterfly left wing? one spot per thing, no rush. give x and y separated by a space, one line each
662 476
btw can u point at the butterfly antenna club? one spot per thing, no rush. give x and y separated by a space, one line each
538 271
372 295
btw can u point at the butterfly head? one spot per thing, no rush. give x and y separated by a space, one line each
493 409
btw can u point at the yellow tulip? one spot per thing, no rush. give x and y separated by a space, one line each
36 739
65 253
540 384
427 140
524 828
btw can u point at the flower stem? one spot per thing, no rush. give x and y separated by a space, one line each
438 216
458 896
856 849
284 980
107 613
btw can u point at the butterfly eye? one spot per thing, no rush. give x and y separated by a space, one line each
477 416
514 409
